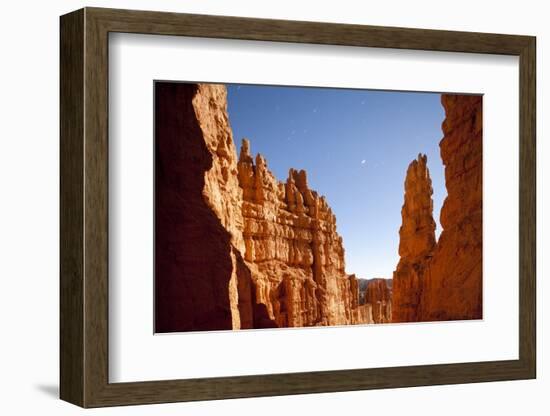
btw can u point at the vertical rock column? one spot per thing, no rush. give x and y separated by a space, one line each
417 241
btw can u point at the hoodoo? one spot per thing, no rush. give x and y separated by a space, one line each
417 241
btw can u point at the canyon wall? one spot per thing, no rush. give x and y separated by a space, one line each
234 247
198 215
443 281
453 284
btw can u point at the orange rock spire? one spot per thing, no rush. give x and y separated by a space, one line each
417 241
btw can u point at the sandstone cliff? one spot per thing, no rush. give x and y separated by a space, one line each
236 248
453 285
198 214
443 281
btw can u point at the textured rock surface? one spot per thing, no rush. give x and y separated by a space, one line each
443 281
417 241
453 285
378 294
296 255
279 261
235 248
193 291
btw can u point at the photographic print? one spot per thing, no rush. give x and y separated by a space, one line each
289 207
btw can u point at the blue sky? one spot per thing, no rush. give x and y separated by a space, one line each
356 146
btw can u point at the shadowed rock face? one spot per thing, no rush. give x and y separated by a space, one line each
443 281
234 247
192 291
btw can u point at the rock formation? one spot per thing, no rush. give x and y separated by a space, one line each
417 241
453 285
295 254
198 212
378 294
443 281
235 248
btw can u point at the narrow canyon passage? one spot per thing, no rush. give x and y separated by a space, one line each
236 248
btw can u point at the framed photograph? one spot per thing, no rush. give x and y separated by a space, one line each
255 207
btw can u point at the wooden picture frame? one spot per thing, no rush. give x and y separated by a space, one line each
84 207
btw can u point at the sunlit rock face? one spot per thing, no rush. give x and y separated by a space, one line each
235 248
417 241
443 280
452 287
292 246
